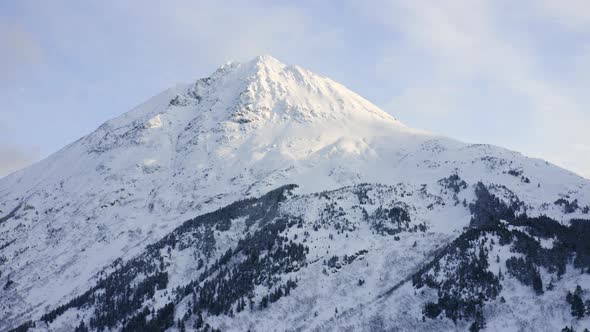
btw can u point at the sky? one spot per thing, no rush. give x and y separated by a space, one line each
509 73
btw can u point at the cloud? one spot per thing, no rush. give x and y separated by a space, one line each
187 36
20 49
13 158
244 30
578 159
571 14
19 45
440 101
574 157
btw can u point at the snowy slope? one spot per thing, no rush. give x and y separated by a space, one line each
356 258
247 129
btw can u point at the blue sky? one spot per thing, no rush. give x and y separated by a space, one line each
509 73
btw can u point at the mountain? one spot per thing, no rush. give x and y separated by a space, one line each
266 197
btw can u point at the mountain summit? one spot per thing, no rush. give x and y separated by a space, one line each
183 188
265 89
261 92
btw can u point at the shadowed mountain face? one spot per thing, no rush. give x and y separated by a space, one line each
169 217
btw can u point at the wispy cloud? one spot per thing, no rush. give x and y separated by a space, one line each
13 158
19 48
572 14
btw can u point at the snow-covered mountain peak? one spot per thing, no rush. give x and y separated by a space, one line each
257 65
266 63
241 98
246 129
264 89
